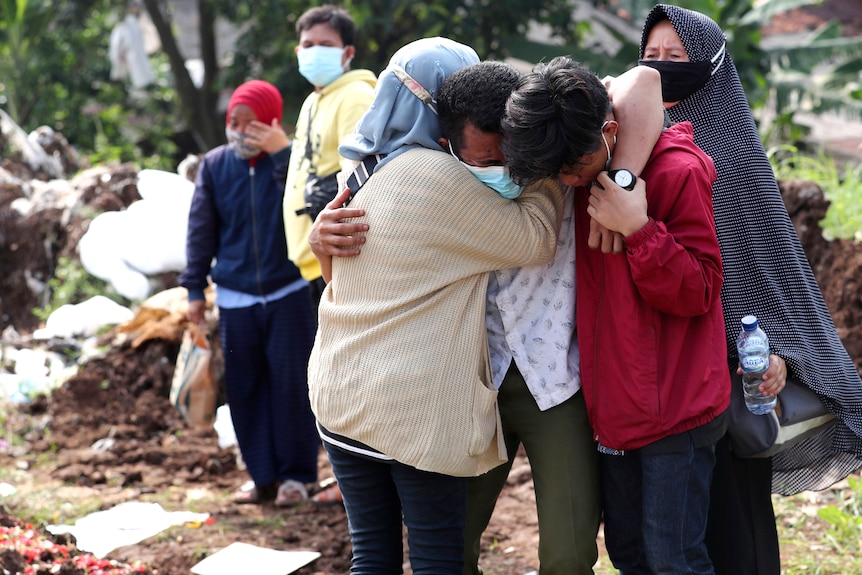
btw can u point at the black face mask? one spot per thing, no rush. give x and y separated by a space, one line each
679 80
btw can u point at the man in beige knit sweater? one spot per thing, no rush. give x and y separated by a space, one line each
530 321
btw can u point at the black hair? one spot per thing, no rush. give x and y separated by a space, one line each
335 17
475 94
553 118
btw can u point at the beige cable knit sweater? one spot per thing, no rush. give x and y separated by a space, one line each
401 361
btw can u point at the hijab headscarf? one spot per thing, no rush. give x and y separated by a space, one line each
262 97
398 119
766 272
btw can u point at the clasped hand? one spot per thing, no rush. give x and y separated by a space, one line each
615 213
331 236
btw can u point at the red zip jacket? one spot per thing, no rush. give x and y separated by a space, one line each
650 325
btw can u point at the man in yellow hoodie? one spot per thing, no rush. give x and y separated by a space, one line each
340 97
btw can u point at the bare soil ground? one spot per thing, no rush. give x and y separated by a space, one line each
155 455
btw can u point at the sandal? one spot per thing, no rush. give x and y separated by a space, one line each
290 492
328 497
249 493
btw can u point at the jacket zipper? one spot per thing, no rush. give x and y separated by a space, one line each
594 381
254 232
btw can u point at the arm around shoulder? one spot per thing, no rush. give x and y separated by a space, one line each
638 109
544 202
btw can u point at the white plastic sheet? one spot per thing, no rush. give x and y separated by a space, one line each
125 524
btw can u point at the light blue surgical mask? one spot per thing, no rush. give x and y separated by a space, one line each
321 65
495 177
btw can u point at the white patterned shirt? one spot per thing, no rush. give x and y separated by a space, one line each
530 318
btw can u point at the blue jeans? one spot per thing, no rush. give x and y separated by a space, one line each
377 494
656 508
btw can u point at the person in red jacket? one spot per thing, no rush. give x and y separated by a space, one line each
649 320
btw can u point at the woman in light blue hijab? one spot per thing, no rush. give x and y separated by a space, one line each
403 115
400 378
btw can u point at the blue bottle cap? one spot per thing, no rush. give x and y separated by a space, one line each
749 323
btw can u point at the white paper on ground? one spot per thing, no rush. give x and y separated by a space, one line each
240 557
125 524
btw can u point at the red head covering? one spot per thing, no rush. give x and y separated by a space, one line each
262 97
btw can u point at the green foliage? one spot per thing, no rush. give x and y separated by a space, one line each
820 531
72 284
54 66
842 186
782 128
127 133
16 48
55 71
266 50
59 50
820 74
844 532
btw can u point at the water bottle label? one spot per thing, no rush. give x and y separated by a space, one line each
753 364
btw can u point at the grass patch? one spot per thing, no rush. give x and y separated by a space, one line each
841 184
33 504
820 532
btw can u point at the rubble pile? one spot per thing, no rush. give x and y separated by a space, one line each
46 204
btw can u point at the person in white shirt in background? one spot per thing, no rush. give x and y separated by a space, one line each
127 52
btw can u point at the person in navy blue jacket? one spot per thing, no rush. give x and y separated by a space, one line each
266 324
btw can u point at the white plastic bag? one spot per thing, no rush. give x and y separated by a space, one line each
224 427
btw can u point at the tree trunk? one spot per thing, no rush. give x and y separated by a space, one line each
198 105
208 92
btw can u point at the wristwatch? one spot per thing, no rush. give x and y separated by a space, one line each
623 178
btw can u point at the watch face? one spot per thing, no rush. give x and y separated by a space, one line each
624 179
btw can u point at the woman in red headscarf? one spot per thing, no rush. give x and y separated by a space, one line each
266 324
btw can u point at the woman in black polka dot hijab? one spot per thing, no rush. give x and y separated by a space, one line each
767 274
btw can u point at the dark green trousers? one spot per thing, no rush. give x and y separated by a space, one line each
563 458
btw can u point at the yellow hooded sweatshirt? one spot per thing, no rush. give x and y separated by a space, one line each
326 117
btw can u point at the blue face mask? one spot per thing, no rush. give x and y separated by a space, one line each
320 65
495 177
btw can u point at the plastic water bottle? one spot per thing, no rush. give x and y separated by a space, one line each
753 347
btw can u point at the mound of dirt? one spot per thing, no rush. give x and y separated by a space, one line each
836 264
